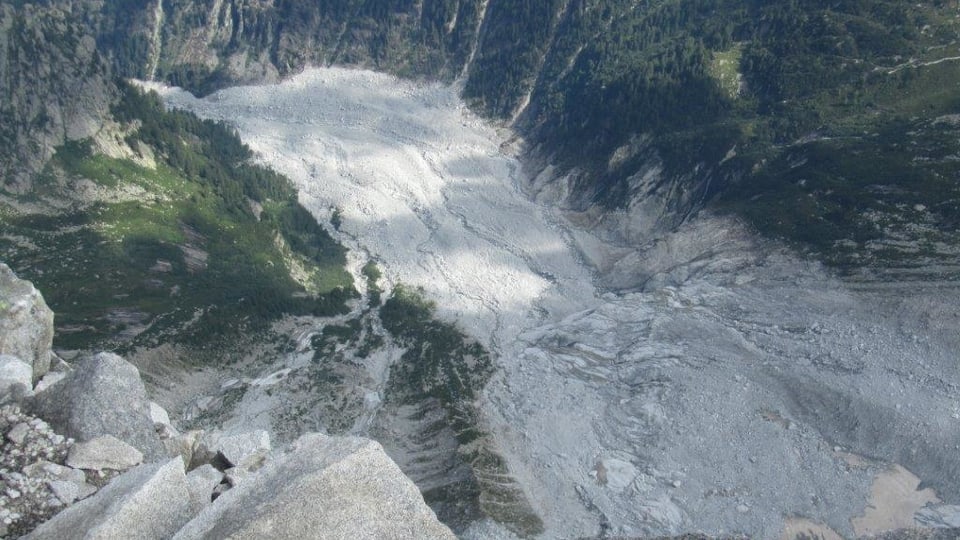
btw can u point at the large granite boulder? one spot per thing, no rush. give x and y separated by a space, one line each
103 395
323 487
148 502
26 323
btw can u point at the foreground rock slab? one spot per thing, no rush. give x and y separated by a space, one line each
26 323
323 487
103 395
148 502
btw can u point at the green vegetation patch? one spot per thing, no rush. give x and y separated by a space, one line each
724 68
443 364
834 196
182 253
372 272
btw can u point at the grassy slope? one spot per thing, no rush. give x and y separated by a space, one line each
186 246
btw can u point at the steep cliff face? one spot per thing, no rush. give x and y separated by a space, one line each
54 82
206 44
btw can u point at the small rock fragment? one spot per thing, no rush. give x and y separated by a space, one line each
106 452
159 415
18 433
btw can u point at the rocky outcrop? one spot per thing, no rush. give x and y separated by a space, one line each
103 395
26 323
323 487
151 501
206 44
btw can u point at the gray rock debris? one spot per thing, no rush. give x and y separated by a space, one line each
16 379
105 452
26 323
66 483
323 487
29 455
150 501
103 395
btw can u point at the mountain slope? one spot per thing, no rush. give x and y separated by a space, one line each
720 97
173 232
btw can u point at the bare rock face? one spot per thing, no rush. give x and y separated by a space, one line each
26 323
150 501
103 395
323 487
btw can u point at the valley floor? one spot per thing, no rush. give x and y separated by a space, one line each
742 391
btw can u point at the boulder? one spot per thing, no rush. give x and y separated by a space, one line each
159 415
18 433
200 483
185 445
244 450
105 452
26 323
148 502
103 395
323 487
67 492
16 379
